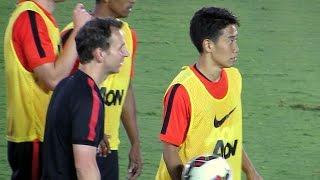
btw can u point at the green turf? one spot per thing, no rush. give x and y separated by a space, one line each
279 60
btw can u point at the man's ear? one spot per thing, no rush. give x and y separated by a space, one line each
99 54
208 45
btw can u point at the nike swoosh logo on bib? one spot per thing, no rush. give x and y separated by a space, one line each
217 123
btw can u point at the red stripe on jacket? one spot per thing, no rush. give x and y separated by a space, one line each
94 113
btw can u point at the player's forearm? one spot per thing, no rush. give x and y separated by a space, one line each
66 60
128 117
173 161
49 75
85 162
89 172
247 166
64 63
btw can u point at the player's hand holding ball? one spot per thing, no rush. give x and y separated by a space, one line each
207 167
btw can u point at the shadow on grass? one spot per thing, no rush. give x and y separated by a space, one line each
306 107
300 106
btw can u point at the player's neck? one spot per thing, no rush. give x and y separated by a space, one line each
209 69
95 72
103 12
48 5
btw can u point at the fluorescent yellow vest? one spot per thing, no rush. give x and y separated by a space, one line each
208 133
114 90
27 102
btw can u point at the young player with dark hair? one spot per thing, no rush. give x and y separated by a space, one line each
202 107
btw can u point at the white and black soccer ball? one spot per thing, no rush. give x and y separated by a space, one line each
207 167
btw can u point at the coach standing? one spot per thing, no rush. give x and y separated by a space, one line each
75 119
118 93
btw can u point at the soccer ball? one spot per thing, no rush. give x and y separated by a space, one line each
207 167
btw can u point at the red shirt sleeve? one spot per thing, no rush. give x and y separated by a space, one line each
134 50
31 40
176 115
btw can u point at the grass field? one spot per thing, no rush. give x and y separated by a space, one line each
279 60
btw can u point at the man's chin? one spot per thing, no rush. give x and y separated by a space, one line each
114 72
124 14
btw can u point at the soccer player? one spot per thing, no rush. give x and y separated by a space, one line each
75 119
33 67
202 106
118 95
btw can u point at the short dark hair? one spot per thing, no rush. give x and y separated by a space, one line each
208 22
94 34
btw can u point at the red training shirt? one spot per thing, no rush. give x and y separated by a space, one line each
177 107
31 39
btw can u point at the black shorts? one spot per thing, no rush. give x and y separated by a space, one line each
25 160
109 166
